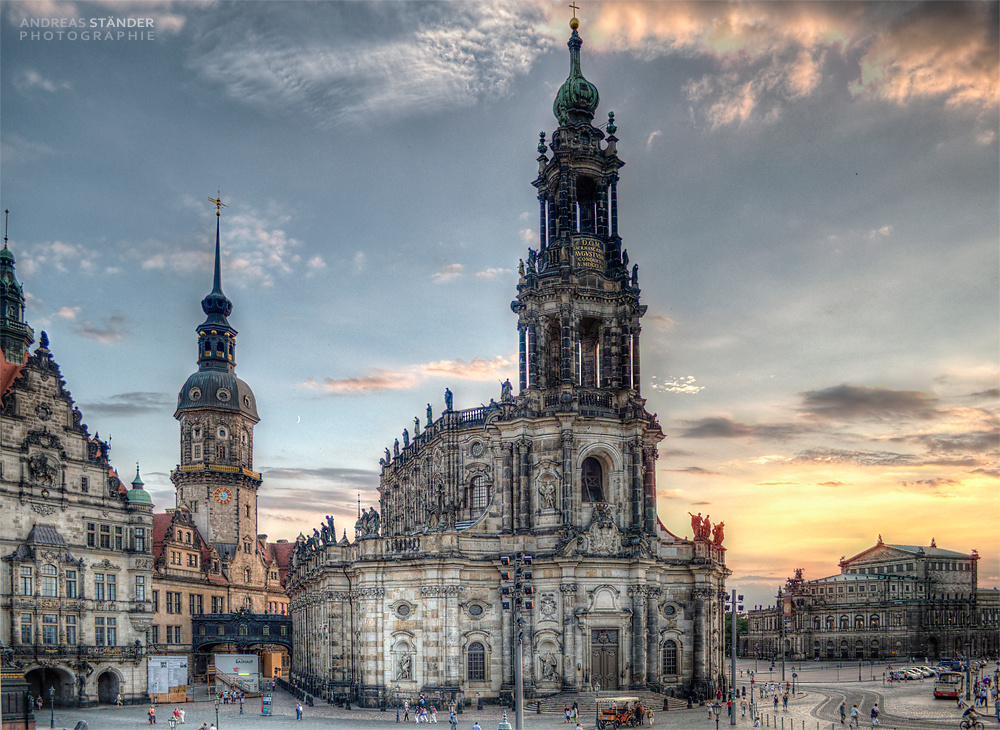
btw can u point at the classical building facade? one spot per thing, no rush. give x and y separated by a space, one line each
76 568
563 471
211 564
890 601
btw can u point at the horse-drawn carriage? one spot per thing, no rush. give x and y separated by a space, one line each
614 712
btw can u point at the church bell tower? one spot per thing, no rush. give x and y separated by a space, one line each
578 301
217 412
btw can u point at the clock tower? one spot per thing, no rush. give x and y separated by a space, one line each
217 412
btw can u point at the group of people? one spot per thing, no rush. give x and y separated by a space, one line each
423 712
855 715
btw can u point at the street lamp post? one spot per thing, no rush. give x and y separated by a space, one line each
216 712
52 706
515 597
859 670
397 703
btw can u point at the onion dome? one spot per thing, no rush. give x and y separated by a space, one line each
138 495
577 98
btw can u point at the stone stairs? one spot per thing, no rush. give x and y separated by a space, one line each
587 702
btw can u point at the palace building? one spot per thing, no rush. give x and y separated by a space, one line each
435 591
218 585
888 602
76 568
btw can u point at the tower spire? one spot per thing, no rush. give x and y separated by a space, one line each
15 334
216 338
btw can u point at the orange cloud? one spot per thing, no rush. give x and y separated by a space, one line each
380 379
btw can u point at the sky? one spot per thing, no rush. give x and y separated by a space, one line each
810 193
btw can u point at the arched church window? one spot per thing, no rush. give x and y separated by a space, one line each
590 354
221 452
479 494
592 479
196 433
477 662
669 657
586 199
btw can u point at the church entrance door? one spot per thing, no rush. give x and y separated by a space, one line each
604 658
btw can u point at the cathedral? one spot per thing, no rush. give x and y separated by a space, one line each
530 520
76 550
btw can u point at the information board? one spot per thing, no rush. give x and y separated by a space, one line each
166 674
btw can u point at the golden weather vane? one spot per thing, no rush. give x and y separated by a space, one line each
219 205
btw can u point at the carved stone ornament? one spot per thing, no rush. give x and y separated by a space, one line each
548 606
601 539
42 509
43 469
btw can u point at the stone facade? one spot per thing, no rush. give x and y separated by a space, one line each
563 471
210 561
890 601
76 572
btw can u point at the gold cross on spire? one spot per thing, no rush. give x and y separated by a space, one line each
219 205
575 7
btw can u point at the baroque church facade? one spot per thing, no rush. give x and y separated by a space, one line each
562 471
218 583
76 562
888 602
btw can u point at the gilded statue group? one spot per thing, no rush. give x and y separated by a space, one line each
704 530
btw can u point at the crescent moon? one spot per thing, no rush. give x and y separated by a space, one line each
298 419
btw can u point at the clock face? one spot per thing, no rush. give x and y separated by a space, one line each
223 495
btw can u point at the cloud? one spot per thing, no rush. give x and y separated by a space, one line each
828 456
858 401
932 483
380 379
661 321
348 478
942 51
359 261
696 470
724 427
111 330
767 56
129 404
69 313
255 246
684 384
831 484
435 57
448 272
492 273
59 256
31 79
652 136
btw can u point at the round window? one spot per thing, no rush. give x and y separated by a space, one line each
475 610
194 394
223 395
476 448
403 611
669 610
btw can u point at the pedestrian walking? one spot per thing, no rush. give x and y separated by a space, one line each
475 726
843 711
118 699
453 720
298 710
406 710
649 715
152 714
183 712
784 701
434 714
855 715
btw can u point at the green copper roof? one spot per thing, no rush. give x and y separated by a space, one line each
138 495
577 98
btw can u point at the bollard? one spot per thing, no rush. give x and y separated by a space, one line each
666 704
538 708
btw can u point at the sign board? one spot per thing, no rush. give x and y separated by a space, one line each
245 667
588 253
166 674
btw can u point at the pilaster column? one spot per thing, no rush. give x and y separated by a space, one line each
569 636
637 594
566 438
522 356
635 481
652 636
649 487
